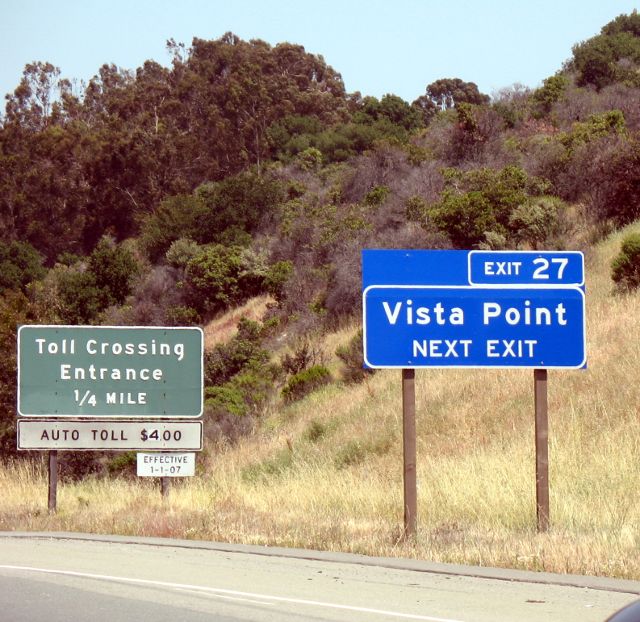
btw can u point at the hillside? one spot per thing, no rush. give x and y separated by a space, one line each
326 472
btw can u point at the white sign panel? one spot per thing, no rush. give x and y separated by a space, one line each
50 434
166 465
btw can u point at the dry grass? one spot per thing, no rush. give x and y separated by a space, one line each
326 473
223 328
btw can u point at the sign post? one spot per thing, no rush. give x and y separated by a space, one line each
53 482
476 309
409 453
542 450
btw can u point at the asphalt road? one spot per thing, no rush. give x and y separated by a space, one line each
76 578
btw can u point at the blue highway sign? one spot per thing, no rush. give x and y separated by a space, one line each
473 309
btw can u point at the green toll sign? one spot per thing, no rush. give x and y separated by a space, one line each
90 371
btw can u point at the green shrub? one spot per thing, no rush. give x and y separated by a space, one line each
305 382
481 201
124 464
226 399
276 278
180 315
315 431
625 269
228 359
376 196
20 263
273 467
356 452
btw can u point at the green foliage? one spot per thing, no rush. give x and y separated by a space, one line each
376 196
481 201
551 91
239 202
177 217
20 264
180 315
228 359
123 464
451 92
391 110
181 252
355 452
596 126
416 209
225 399
85 290
218 276
625 269
612 56
113 268
536 220
352 357
14 311
310 159
276 278
619 185
239 381
80 299
305 382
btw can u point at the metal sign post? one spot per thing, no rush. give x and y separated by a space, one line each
542 449
409 451
53 482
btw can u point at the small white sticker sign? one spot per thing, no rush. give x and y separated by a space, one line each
166 464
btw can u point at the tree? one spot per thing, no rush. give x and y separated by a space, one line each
14 311
176 217
20 264
448 92
113 268
551 91
483 201
219 276
34 103
612 56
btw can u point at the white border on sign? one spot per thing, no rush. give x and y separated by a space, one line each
474 288
532 285
105 417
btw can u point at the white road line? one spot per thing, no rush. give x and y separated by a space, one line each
222 596
215 590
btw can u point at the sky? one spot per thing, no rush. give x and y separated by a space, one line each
378 46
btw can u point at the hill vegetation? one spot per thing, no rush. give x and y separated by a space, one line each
245 174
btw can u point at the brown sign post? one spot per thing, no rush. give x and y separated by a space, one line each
409 451
542 449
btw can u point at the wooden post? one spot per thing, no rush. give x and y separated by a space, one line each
53 481
409 448
542 449
165 487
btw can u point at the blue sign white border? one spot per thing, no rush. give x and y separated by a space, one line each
484 287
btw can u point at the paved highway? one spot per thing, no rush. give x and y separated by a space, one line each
112 579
